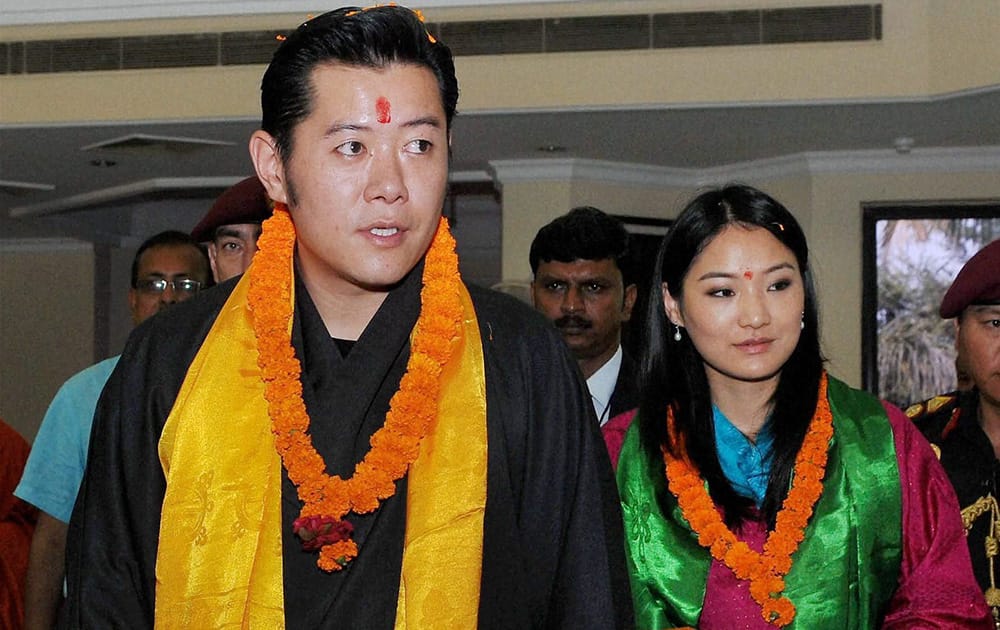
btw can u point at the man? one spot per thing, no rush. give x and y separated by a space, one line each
168 268
232 226
964 426
582 284
278 468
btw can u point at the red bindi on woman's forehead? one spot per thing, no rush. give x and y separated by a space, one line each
383 110
748 275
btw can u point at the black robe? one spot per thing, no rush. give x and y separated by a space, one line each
553 554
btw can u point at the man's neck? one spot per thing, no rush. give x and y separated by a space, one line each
346 310
989 420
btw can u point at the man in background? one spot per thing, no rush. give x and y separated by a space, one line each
964 426
582 283
231 228
169 267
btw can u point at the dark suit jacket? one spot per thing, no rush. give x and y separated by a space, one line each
626 394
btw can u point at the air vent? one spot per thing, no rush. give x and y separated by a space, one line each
498 37
614 32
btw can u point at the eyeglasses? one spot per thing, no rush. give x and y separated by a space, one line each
159 285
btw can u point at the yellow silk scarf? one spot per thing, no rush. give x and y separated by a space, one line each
218 564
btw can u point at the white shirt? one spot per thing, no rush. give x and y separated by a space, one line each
602 385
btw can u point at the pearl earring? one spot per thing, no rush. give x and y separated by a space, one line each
802 322
677 332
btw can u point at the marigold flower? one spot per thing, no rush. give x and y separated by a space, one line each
412 410
765 572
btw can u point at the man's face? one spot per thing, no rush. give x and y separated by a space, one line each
232 250
367 176
978 342
165 262
588 303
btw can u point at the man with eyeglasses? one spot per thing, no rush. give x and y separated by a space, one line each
169 267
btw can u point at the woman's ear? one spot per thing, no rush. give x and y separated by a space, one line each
672 307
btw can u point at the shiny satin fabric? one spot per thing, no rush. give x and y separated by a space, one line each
446 498
843 574
219 557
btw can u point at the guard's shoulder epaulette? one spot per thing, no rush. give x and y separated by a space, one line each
930 407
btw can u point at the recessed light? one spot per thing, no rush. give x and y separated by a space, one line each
552 148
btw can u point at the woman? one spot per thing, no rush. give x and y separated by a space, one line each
757 491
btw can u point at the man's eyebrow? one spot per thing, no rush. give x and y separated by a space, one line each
338 127
430 121
227 231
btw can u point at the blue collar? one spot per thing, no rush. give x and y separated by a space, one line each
747 465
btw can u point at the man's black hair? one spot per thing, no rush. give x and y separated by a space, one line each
369 38
170 238
585 233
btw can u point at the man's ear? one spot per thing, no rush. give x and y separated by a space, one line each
133 299
212 252
672 307
268 164
630 294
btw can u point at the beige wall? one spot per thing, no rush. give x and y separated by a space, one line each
46 326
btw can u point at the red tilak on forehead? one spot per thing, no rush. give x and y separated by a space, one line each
748 275
383 110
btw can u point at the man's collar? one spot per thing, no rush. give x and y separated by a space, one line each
602 383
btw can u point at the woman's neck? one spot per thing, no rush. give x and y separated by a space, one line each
746 405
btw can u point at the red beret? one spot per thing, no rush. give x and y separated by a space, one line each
245 202
977 283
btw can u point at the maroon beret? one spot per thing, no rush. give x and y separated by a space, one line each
245 202
977 283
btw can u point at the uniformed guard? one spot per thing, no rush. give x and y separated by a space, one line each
964 426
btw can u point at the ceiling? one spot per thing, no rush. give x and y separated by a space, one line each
87 189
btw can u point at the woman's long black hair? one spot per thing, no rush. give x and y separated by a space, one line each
673 372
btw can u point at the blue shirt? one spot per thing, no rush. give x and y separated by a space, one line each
58 456
746 464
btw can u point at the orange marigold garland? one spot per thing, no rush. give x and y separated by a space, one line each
327 499
765 571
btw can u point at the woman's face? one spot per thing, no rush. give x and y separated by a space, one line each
742 306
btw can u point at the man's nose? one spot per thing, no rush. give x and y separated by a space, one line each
572 300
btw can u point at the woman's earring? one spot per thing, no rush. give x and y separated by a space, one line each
802 322
677 332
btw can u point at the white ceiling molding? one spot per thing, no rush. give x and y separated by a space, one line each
887 161
567 169
120 194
